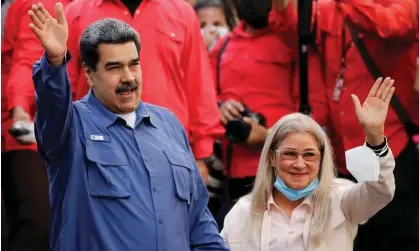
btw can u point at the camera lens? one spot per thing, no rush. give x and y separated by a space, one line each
237 131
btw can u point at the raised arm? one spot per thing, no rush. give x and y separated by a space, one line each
52 87
365 199
396 20
283 20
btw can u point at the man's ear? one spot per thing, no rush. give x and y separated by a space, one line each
88 73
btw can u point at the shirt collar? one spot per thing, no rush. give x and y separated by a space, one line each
240 30
107 117
99 2
271 203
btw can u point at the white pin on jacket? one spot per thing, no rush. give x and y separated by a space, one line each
97 137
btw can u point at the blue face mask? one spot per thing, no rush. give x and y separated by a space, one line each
292 194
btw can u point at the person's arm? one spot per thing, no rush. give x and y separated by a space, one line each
74 67
205 122
52 86
203 230
54 103
283 19
396 20
20 90
365 199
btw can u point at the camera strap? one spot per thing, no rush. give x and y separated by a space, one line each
375 72
229 148
220 53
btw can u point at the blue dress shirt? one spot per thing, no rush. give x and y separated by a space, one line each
114 188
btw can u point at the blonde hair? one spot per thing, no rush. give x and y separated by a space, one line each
265 178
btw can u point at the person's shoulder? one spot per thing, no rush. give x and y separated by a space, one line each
162 114
158 110
179 6
237 219
74 8
25 5
81 102
180 10
219 44
241 208
166 122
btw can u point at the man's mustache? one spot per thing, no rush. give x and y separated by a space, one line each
126 86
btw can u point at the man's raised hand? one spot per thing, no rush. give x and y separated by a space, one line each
51 32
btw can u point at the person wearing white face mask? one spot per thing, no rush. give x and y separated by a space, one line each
216 18
297 204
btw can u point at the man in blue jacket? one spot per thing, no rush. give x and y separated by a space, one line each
122 175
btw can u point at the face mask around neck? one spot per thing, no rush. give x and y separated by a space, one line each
293 194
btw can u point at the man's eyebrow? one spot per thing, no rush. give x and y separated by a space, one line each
112 63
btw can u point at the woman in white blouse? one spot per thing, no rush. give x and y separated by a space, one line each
297 204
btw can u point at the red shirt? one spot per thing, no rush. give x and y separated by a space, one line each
389 30
258 71
174 61
19 51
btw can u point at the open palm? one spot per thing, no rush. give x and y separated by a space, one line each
51 32
373 112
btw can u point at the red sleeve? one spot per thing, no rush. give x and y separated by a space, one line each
205 118
74 66
284 22
20 89
387 19
316 88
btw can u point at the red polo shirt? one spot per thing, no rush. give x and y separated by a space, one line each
258 71
19 51
174 61
389 30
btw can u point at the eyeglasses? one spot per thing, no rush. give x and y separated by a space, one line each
293 155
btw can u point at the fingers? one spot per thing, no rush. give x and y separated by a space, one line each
390 95
234 109
59 10
37 10
226 116
237 105
44 11
36 25
35 30
386 90
35 20
382 87
375 87
230 110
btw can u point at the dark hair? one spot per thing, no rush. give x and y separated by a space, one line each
225 5
104 31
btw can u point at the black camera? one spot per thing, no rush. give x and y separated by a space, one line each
238 131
